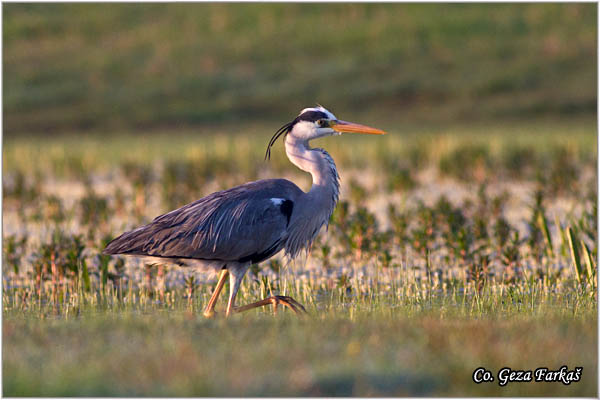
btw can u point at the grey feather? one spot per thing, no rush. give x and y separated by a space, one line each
246 224
236 224
250 223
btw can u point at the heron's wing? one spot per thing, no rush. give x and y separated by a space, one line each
246 223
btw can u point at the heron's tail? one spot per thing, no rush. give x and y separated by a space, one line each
131 242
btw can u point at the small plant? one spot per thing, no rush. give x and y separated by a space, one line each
467 163
511 257
385 259
479 271
150 271
54 209
324 254
518 161
140 177
400 180
363 227
94 209
502 231
581 258
275 265
191 285
563 172
343 282
423 235
536 230
17 186
14 248
358 194
180 180
399 222
59 258
103 261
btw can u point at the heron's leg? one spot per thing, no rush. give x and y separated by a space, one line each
209 311
285 301
235 280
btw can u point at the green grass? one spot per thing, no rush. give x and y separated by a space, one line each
465 238
408 301
145 66
377 347
102 151
409 339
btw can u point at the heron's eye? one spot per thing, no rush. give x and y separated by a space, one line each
322 122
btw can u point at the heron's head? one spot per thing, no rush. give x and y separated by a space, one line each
317 122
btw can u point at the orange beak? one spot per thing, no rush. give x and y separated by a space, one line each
350 127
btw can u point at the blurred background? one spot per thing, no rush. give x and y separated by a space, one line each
466 237
138 67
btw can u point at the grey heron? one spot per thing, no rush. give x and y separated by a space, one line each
232 229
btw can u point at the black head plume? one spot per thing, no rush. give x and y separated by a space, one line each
284 129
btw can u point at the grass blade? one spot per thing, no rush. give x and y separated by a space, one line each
85 275
589 263
574 253
543 224
563 238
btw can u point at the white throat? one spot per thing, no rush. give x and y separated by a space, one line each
314 212
316 162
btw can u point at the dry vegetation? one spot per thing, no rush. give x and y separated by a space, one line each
427 270
466 237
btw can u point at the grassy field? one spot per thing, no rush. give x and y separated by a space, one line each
450 250
465 238
141 67
366 350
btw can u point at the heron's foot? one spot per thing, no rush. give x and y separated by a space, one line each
286 301
275 301
209 311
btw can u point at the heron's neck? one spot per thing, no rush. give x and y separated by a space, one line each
311 214
318 163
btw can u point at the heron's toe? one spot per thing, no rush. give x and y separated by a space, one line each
288 302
